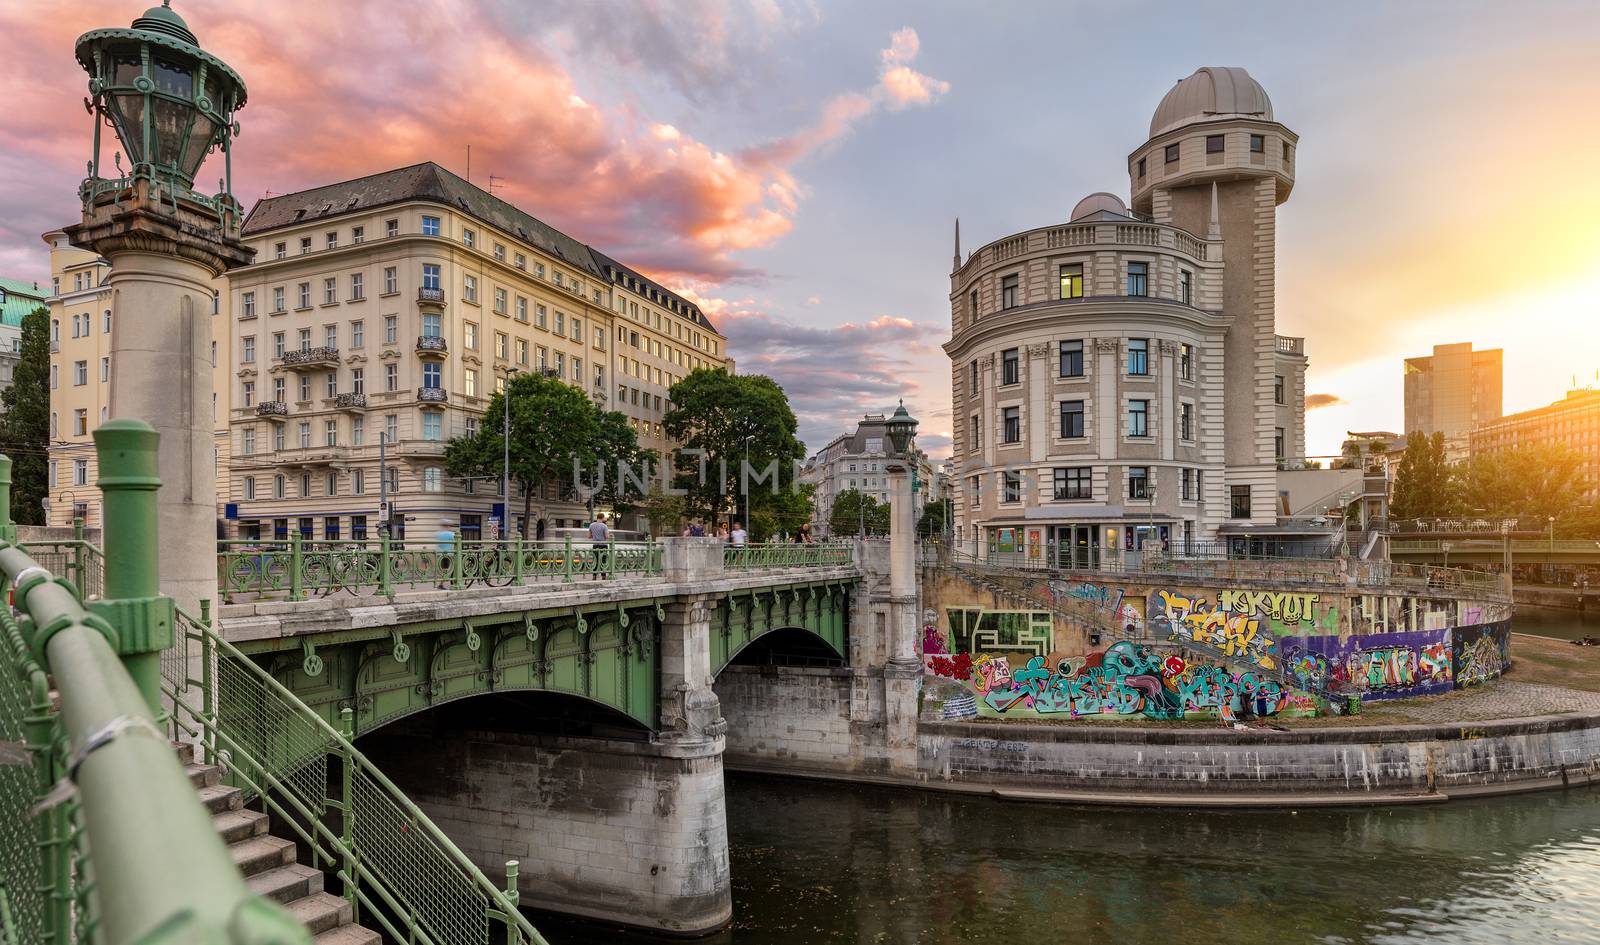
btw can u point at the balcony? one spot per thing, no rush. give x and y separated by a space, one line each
429 296
432 395
308 358
273 410
432 346
350 401
1288 345
312 455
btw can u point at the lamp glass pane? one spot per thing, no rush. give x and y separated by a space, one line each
127 116
169 127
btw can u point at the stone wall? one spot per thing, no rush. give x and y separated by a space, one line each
627 831
801 717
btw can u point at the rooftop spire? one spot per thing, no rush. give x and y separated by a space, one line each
957 263
1214 231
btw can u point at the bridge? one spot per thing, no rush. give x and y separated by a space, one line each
297 704
1477 550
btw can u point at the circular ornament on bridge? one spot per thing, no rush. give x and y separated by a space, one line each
312 665
661 612
402 652
622 618
531 630
473 640
583 625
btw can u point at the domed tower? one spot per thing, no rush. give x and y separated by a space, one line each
1218 164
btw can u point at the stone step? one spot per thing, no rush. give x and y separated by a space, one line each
348 935
203 775
185 752
260 854
219 798
286 883
236 825
320 912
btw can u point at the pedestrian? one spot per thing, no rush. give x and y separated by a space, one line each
696 529
722 531
446 540
803 536
538 529
740 538
600 538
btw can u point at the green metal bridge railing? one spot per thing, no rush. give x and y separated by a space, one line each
786 555
102 836
394 864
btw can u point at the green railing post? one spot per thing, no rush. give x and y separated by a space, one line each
297 590
516 561
347 729
8 531
79 572
385 566
456 565
145 621
567 555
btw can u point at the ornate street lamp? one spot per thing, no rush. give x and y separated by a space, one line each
902 427
169 102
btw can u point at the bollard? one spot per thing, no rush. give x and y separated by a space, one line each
126 452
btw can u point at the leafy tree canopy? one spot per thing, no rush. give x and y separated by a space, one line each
717 417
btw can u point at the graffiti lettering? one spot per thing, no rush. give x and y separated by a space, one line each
1287 607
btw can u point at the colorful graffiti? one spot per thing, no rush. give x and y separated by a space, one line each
1482 652
1108 600
1374 665
1125 679
977 631
1191 619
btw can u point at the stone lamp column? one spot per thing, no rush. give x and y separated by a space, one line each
169 103
901 670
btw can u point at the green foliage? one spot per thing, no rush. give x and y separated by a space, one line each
851 507
25 426
783 512
1423 482
936 518
663 512
555 428
713 412
1541 482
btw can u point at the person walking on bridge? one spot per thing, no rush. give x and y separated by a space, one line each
600 537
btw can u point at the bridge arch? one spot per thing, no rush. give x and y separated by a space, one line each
821 610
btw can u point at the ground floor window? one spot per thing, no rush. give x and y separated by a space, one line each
1239 501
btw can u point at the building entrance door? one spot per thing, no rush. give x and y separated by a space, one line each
1077 547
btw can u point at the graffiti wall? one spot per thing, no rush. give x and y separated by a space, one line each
1374 665
1482 652
1238 624
1110 601
1009 671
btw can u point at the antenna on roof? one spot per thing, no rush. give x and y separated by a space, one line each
495 182
469 162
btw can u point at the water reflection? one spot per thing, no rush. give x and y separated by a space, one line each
849 864
1557 622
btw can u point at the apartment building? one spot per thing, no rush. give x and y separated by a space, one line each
858 461
380 316
1453 391
82 318
1572 423
1116 376
17 300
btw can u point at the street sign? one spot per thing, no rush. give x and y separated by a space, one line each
383 511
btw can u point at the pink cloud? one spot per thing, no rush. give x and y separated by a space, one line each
363 85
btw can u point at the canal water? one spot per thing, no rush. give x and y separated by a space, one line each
821 862
1557 622
824 862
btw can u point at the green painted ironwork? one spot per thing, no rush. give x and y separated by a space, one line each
297 569
75 559
84 855
787 555
395 866
821 608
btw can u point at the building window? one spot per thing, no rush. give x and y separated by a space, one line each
432 426
1139 482
1171 154
1258 144
391 228
358 381
432 479
1009 368
358 234
250 488
430 275
358 523
1277 388
1186 421
277 299
1073 482
972 305
358 334
305 434
280 486
1072 358
1011 425
520 261
80 373
432 325
279 385
80 472
1185 287
1277 442
279 439
330 336
972 383
391 377
501 343
1186 362
469 239
280 250
391 428
247 303
1072 281
522 351
1138 418
469 382
1138 278
305 339
332 240
358 287
1213 144
333 383
330 433
305 245
105 321
1139 356
80 422
1071 419
391 280
391 329
500 300
470 331
430 226
1008 292
500 252
1239 501
1013 487
358 486
522 309
1288 155
248 393
975 428
1141 167
1186 483
431 375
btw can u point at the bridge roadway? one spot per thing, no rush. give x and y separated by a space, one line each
1468 550
450 687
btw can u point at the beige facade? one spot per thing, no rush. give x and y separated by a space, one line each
1571 424
82 317
860 461
1117 377
393 307
1453 391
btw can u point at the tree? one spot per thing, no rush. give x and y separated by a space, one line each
1540 482
663 511
936 518
25 427
624 468
1423 486
713 413
851 507
555 429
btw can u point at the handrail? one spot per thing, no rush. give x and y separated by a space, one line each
393 861
115 864
777 554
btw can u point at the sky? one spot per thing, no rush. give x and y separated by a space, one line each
796 167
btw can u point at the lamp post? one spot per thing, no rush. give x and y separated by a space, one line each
169 103
744 482
902 430
505 458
